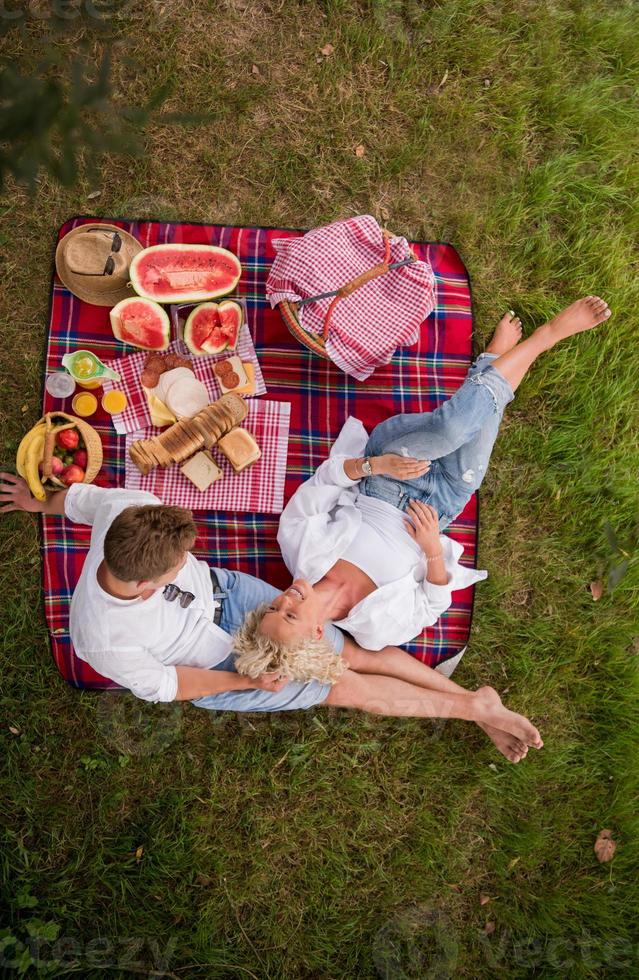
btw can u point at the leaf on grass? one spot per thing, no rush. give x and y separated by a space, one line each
92 196
605 846
327 50
487 83
24 408
513 863
203 880
14 730
360 150
255 70
138 854
489 928
596 590
484 899
444 79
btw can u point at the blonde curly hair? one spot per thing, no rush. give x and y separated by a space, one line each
308 660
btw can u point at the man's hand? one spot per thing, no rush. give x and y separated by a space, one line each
424 527
399 467
269 681
15 495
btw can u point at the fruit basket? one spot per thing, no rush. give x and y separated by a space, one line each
35 460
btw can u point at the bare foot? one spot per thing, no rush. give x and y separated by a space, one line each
493 713
507 334
583 315
513 748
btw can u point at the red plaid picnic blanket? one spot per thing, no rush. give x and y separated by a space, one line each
136 414
367 327
321 397
257 489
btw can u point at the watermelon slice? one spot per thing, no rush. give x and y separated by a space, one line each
184 273
212 328
141 323
231 316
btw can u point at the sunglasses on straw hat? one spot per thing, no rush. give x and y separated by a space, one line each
93 262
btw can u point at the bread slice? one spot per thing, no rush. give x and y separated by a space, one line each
240 448
201 470
235 405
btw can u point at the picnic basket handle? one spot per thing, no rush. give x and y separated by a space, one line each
361 280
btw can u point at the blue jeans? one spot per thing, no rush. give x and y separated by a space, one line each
458 437
241 593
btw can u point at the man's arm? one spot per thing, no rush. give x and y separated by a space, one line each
198 682
15 495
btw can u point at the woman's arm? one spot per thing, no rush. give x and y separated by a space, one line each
390 464
424 528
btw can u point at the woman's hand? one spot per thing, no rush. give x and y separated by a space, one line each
399 467
424 527
15 495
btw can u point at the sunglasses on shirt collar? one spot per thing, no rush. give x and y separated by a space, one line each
171 593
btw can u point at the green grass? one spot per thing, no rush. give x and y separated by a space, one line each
334 846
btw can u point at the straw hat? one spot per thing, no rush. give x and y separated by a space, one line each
93 262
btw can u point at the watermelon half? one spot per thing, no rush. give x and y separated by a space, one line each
142 323
184 273
212 327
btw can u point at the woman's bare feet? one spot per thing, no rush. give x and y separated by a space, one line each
492 712
583 315
513 748
507 334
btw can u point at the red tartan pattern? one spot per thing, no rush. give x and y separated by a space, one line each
321 397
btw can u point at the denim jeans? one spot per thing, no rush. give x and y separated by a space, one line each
458 438
241 593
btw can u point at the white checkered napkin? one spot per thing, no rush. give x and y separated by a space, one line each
136 415
260 488
367 326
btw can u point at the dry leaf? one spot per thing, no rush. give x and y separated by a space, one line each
489 928
92 196
138 854
484 899
327 50
360 150
255 70
14 730
596 590
24 408
605 846
455 888
512 863
487 83
443 81
204 880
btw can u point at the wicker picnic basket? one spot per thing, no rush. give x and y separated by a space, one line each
91 439
316 343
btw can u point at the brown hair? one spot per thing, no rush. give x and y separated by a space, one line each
143 543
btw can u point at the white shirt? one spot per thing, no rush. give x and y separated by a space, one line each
316 529
139 642
382 547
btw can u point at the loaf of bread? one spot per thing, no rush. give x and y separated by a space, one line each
186 437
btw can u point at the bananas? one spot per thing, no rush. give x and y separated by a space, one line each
29 455
24 445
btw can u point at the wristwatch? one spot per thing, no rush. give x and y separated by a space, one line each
367 469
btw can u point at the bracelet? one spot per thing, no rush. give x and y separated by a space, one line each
434 557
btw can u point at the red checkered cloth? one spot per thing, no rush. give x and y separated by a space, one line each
367 327
321 398
136 414
258 489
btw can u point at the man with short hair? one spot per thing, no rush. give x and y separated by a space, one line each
150 616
